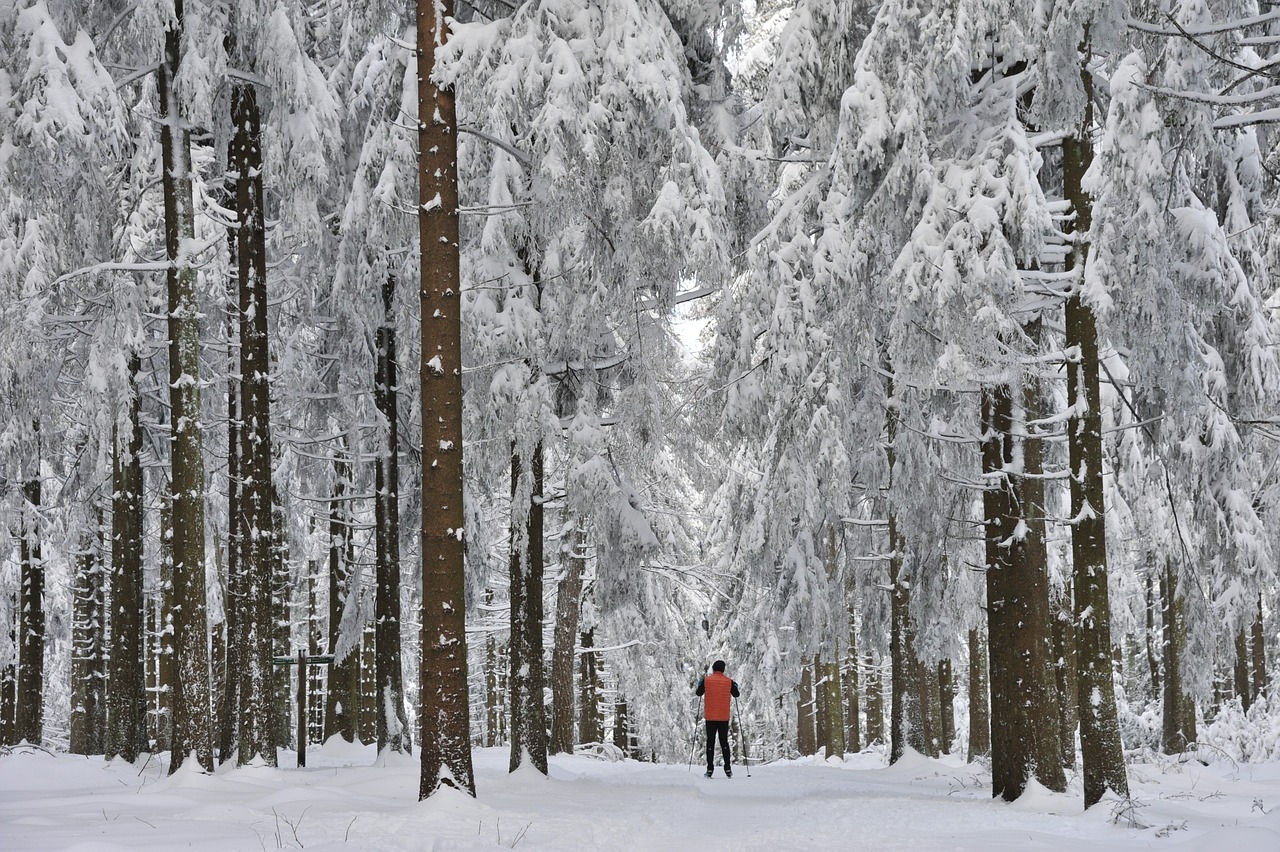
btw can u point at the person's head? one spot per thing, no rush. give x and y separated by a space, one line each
717 666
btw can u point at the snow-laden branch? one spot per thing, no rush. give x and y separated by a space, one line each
1266 116
520 156
1207 29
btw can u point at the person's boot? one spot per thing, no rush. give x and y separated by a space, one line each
709 771
728 773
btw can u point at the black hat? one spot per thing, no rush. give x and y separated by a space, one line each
717 666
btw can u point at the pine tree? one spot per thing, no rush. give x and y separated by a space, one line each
1101 749
191 720
445 737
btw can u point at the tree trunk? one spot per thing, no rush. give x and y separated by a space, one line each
492 695
1024 711
1101 749
833 698
907 726
926 682
446 736
1153 660
392 721
946 706
875 700
1259 684
1241 670
31 626
590 725
233 592
191 721
526 680
806 730
161 610
366 715
9 682
822 736
256 711
88 658
573 560
835 709
979 696
621 734
282 619
906 714
1064 656
854 740
1174 737
126 734
342 698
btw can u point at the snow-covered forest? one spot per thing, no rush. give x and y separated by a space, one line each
450 375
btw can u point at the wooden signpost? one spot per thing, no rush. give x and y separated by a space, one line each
302 660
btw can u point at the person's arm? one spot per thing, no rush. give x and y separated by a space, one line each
702 686
733 688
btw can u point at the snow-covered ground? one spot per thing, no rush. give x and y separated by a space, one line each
342 802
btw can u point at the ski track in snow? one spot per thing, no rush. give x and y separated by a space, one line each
343 802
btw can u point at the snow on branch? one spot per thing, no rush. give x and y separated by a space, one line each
1214 100
1208 29
1266 116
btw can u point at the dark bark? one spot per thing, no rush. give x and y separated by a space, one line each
1241 670
1101 750
281 613
526 680
392 721
191 719
255 623
1153 659
1064 672
979 697
806 729
29 719
228 686
946 706
833 694
621 732
88 661
446 737
822 735
1024 707
492 694
853 741
590 722
1177 728
926 684
875 700
366 716
834 709
9 683
342 696
1259 683
573 559
907 724
161 610
126 734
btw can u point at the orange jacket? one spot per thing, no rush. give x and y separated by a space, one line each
716 689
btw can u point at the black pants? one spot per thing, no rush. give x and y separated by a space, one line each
714 728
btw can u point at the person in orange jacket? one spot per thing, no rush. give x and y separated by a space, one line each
717 690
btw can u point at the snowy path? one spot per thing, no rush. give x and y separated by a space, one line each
341 803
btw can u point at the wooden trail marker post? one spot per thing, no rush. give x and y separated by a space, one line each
302 661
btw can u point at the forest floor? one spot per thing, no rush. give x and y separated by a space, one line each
341 801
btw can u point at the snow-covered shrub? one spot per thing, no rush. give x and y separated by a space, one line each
1252 737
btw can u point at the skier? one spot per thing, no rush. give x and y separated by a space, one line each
717 689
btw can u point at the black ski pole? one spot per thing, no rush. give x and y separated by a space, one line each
742 738
693 741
